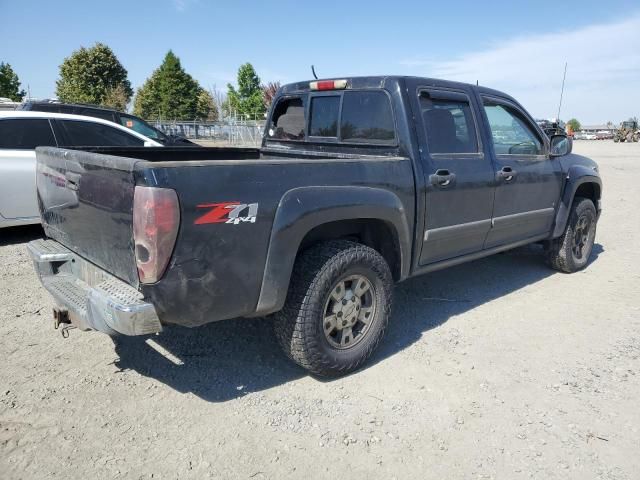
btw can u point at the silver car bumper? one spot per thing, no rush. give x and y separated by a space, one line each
95 300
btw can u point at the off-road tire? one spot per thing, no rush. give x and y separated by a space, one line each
299 325
560 254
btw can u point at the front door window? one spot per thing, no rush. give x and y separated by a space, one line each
510 132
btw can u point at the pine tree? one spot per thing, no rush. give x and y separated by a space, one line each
170 93
247 100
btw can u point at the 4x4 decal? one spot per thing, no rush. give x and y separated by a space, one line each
228 212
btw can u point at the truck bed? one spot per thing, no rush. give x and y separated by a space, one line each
218 270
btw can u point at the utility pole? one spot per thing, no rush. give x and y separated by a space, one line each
562 91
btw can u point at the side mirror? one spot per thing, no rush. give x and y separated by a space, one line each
560 145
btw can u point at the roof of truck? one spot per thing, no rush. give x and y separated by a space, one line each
382 81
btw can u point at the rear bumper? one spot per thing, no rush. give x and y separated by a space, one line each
95 300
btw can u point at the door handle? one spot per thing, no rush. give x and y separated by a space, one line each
442 178
506 173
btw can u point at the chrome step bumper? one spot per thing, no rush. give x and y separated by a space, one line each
95 300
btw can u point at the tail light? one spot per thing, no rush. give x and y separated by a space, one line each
156 218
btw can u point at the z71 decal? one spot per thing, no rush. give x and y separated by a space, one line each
228 212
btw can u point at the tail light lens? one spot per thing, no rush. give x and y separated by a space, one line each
156 218
328 85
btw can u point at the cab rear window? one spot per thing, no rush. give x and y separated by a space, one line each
363 117
324 116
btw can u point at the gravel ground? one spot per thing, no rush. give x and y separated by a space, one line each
500 368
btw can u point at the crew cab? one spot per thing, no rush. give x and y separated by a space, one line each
21 132
359 183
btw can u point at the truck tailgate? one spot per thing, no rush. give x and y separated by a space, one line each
86 204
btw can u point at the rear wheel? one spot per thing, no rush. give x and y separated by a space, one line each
572 250
337 308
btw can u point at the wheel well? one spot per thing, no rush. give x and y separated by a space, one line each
589 190
374 233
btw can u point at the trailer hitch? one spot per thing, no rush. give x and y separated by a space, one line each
61 317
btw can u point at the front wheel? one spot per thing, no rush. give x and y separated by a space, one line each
570 252
337 307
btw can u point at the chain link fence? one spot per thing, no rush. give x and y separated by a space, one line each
239 133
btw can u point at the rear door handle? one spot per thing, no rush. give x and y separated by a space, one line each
506 173
442 178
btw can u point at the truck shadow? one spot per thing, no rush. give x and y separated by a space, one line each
226 360
430 300
18 235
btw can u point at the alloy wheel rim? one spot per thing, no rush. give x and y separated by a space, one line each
348 311
580 247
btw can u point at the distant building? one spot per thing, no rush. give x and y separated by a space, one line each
8 104
598 128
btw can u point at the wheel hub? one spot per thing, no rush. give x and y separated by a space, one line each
349 311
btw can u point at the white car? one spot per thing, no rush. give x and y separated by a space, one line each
585 136
22 131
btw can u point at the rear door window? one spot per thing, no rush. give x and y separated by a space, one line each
324 116
88 134
448 122
366 118
26 134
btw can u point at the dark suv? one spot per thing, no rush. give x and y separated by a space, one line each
129 121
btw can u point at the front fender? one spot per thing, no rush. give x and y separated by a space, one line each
302 209
576 176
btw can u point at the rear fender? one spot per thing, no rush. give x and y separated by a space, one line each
578 175
303 209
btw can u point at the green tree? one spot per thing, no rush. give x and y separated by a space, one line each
117 98
92 75
248 99
575 125
206 108
171 93
10 83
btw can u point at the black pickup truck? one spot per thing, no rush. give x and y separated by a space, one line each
359 183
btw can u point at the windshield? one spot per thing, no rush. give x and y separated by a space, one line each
143 127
